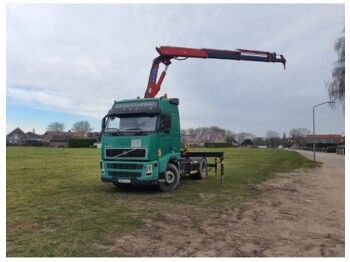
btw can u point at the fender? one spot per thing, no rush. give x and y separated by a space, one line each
164 161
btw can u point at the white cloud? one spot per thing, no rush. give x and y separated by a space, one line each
83 57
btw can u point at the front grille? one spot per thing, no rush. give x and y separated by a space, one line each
124 166
122 174
125 152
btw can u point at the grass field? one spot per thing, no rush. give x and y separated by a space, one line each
57 206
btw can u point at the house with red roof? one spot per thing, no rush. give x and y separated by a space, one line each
324 141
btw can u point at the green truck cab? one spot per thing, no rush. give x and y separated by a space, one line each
141 142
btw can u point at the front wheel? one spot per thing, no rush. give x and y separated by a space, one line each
171 179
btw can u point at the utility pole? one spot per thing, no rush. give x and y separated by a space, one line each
313 120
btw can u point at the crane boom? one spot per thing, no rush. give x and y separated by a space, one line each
166 53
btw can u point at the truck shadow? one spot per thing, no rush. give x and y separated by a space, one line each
139 189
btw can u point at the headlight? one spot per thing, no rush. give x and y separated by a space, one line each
102 167
149 169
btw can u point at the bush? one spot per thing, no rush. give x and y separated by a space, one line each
217 145
81 142
331 149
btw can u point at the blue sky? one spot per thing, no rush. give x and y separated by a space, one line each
68 63
29 119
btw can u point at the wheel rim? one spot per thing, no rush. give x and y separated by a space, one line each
169 177
204 171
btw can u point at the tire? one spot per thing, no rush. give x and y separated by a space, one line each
172 179
202 170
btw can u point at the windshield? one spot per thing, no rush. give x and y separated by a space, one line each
124 124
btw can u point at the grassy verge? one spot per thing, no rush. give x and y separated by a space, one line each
57 206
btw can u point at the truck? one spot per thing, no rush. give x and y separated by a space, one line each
141 140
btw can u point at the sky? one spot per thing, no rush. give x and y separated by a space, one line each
69 62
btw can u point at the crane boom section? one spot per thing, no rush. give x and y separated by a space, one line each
166 53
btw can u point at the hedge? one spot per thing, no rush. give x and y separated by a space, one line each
217 145
81 142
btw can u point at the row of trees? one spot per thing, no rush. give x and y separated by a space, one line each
80 126
272 139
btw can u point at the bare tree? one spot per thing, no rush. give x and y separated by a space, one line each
55 126
298 135
336 87
259 141
229 136
272 138
82 127
243 136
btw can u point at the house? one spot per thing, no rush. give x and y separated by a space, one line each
188 140
94 135
34 139
324 141
76 134
46 138
210 137
60 140
16 137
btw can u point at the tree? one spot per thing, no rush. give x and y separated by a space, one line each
244 135
259 141
298 135
229 136
55 126
336 87
272 138
82 127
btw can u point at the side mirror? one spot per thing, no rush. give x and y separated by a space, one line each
165 124
103 124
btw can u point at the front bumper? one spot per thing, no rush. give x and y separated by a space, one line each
134 173
132 182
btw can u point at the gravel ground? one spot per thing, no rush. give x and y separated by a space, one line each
299 214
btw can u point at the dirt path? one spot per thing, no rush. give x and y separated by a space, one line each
300 214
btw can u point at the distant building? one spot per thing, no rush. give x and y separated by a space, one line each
93 135
210 137
202 138
46 138
50 138
16 137
34 139
188 140
324 141
60 140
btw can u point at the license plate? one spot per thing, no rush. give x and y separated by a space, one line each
125 181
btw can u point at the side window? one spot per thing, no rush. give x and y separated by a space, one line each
165 123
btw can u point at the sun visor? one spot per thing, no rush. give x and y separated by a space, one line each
138 108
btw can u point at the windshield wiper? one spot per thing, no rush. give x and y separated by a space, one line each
140 131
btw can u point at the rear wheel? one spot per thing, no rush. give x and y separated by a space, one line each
171 179
202 170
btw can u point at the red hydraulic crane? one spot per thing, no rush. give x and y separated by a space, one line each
166 53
